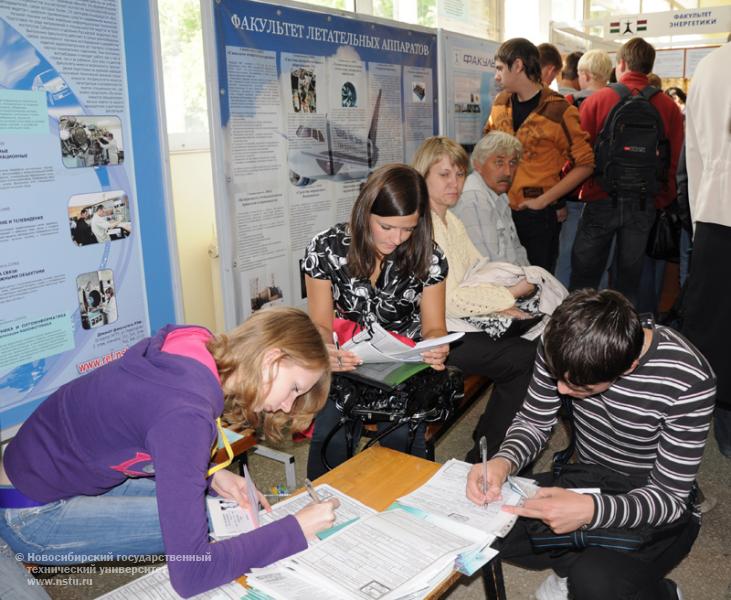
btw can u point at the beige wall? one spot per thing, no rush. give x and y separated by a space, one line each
192 188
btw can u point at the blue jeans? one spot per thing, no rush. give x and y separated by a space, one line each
603 221
686 248
122 522
15 581
566 241
651 284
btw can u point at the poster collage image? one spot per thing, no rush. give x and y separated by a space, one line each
73 292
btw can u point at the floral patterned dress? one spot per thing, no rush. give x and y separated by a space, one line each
393 303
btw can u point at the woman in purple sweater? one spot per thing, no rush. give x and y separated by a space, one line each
116 464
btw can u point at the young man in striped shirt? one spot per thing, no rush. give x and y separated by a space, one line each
642 398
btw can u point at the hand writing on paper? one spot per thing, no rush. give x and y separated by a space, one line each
317 516
230 486
498 470
436 356
342 360
563 511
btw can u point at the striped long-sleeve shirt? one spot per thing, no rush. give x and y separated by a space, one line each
652 421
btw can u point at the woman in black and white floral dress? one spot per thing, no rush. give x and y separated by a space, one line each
380 267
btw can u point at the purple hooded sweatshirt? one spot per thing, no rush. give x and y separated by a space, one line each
147 412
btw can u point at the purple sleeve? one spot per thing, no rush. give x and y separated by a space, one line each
180 448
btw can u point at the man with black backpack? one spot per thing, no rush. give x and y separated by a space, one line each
637 133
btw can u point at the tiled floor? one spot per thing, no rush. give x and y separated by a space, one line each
704 575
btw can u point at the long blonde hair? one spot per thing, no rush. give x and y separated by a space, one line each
239 356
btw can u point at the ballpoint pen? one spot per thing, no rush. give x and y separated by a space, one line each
336 341
483 454
312 492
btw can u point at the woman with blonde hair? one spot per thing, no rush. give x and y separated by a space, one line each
506 361
117 463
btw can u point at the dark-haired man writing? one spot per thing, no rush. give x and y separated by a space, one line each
642 398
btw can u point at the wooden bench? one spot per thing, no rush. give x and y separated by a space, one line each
474 385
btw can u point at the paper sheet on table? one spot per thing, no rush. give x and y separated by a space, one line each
228 519
282 583
157 586
349 509
385 556
444 494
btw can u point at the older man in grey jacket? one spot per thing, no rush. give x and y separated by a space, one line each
483 206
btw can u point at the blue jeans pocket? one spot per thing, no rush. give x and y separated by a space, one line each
33 526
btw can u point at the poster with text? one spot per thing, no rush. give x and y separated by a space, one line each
72 289
468 86
310 104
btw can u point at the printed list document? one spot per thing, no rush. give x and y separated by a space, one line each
377 346
349 509
444 495
228 519
385 556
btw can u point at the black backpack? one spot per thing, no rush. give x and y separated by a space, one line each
631 152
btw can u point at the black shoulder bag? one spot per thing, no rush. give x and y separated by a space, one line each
425 397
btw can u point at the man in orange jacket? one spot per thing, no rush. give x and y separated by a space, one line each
549 130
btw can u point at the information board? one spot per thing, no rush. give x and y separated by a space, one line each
306 105
82 193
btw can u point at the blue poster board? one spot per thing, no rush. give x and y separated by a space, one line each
305 105
86 266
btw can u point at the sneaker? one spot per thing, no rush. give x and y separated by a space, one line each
673 588
553 588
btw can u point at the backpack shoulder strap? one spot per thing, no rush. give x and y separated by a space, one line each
649 91
620 89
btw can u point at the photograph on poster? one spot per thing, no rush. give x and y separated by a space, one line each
304 96
419 91
263 295
91 141
99 217
97 298
313 158
348 95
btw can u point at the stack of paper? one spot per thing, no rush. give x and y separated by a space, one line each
389 555
400 554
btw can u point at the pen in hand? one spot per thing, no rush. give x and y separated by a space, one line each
312 492
336 341
483 454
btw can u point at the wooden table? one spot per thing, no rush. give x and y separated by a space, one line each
378 476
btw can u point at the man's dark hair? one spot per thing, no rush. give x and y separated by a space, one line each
638 54
592 337
571 66
526 51
549 55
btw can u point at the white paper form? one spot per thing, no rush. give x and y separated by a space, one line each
157 586
378 345
382 557
444 495
349 508
282 583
